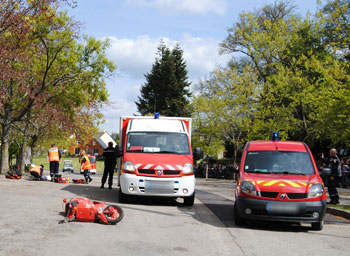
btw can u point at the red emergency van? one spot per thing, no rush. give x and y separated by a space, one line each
279 181
156 158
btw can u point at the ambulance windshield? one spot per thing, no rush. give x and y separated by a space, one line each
279 162
158 142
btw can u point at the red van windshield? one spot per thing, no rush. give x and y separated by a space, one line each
279 162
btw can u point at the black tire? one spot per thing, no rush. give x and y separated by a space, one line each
66 210
189 200
238 220
317 225
113 214
122 197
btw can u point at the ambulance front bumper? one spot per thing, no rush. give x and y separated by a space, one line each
288 211
153 186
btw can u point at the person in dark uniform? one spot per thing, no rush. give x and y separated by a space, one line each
334 165
110 162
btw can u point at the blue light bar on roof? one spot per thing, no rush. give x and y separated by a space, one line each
274 136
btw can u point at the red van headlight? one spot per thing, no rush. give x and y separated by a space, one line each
316 190
249 188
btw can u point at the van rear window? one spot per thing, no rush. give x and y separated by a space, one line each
279 162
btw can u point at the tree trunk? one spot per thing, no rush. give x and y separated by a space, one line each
24 156
5 138
32 146
207 171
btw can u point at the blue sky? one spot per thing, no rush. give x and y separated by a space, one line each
135 28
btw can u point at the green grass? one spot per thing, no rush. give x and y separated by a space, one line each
342 207
38 160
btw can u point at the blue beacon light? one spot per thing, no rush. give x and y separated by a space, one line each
156 115
274 136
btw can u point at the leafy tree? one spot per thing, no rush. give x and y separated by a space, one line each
299 78
224 107
59 74
166 90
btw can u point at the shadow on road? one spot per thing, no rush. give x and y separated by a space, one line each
111 195
93 192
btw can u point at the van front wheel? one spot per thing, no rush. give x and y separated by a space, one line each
122 197
317 225
189 201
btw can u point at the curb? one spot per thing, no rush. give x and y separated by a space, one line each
338 212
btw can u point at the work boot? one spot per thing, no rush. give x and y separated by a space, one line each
110 187
337 199
90 179
102 186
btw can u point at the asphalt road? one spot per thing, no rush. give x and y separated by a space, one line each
32 212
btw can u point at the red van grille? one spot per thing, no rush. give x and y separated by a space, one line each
165 172
297 195
269 194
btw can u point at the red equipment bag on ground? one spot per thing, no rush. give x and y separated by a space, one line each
75 180
14 173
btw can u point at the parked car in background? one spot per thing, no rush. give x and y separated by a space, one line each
68 166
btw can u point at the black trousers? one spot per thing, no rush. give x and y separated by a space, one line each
87 175
332 189
54 165
108 171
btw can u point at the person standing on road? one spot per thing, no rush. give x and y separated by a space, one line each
334 165
54 159
110 162
85 166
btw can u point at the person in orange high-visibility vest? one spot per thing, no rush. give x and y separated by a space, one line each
85 165
37 171
54 159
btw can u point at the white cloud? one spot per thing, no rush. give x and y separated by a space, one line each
134 58
218 7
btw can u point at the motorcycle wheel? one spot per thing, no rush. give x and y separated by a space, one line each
113 214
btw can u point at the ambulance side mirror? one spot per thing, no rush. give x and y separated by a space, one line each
119 151
197 154
325 171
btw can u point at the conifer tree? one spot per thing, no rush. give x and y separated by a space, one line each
166 88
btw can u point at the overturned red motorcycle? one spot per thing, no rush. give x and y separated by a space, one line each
86 210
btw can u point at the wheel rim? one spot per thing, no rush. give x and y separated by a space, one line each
112 213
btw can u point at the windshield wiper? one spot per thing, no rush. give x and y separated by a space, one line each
168 152
259 171
291 173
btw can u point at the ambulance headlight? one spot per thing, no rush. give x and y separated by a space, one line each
187 169
129 166
249 188
316 190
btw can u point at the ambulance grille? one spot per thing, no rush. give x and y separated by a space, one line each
297 195
269 194
165 172
171 172
146 171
